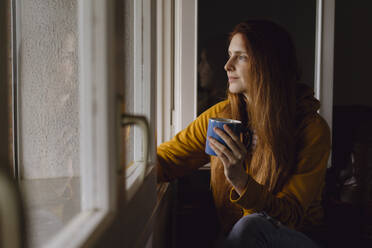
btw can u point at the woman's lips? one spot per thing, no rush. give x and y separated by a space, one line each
231 79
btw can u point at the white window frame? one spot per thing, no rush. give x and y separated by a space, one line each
98 114
324 59
98 160
143 79
165 70
99 186
176 66
186 26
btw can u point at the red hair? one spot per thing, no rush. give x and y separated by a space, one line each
270 111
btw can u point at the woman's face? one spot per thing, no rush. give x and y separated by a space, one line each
238 65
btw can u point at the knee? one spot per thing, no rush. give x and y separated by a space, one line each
249 223
249 229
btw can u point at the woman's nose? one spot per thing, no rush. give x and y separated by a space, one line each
229 65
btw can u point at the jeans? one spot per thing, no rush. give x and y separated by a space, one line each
260 230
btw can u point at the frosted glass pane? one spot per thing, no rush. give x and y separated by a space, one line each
48 91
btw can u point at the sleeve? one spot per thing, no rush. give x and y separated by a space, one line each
185 151
304 186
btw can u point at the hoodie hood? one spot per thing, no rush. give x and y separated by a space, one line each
306 103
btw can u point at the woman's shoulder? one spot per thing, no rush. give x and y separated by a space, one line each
218 110
318 124
314 129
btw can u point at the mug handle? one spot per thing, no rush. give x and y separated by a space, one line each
142 122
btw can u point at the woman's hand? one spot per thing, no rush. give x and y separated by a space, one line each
232 157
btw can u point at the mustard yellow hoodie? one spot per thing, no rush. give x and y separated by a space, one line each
297 205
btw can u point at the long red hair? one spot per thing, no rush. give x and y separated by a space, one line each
270 112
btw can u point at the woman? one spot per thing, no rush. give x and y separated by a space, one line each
268 192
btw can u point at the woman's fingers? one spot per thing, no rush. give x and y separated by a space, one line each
219 149
232 141
231 133
228 140
233 167
234 137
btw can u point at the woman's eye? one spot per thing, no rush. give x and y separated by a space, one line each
242 57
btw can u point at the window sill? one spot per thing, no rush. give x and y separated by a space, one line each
163 216
50 204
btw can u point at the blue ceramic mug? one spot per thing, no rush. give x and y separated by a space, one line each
234 125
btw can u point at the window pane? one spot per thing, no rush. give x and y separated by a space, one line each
137 89
49 114
129 86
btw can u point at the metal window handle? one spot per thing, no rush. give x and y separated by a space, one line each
142 122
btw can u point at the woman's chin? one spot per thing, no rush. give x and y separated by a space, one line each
235 90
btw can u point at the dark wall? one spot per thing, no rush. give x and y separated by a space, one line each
353 53
218 17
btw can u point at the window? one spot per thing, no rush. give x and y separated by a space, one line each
165 71
10 221
139 92
69 116
185 63
48 114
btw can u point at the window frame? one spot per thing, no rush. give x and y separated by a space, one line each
15 13
185 89
324 59
142 75
100 111
98 105
165 71
176 66
99 208
10 202
99 163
